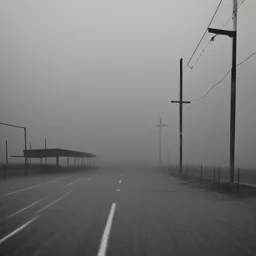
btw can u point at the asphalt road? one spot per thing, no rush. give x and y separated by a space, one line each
121 211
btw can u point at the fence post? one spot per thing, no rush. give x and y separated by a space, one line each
169 161
30 157
5 170
6 160
201 180
6 152
214 176
238 179
218 176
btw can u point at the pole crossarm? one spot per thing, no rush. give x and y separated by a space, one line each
184 101
222 32
162 125
12 125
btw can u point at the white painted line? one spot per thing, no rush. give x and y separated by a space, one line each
35 186
18 229
25 208
92 176
55 201
74 182
246 184
105 237
79 180
118 190
120 181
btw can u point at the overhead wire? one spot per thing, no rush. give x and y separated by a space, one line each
212 39
242 62
204 33
202 52
212 87
235 11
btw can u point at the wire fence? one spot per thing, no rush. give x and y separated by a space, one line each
216 176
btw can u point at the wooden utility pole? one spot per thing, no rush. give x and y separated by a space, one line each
233 35
181 102
233 96
160 126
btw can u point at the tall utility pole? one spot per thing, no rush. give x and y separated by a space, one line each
181 102
233 35
160 126
45 146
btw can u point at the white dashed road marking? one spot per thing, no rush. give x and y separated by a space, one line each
105 237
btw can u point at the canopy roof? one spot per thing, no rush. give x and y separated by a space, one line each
55 152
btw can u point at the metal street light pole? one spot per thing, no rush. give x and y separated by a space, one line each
25 137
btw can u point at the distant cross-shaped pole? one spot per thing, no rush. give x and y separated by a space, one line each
181 102
160 126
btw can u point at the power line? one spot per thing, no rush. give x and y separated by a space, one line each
204 33
198 99
230 18
202 52
212 88
212 39
246 59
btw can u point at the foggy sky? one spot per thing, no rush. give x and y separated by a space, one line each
96 76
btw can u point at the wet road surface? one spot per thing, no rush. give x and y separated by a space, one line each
121 211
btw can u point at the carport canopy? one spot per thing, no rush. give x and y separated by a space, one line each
55 152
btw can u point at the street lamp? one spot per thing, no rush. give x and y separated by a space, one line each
25 137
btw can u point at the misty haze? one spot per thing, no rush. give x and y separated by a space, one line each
127 127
